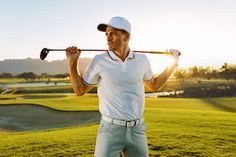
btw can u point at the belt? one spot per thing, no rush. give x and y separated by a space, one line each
123 122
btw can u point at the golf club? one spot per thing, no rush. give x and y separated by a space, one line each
44 52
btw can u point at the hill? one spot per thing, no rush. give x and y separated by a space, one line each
18 66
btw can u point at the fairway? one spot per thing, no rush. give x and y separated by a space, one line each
175 127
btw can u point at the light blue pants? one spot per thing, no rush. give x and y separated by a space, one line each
114 139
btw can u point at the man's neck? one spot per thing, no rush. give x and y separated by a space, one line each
122 53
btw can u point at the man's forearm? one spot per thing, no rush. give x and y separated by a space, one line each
76 79
160 80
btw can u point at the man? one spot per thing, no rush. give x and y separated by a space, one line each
120 74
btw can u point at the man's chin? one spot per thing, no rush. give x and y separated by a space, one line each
111 48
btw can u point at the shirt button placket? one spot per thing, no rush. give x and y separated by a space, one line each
123 66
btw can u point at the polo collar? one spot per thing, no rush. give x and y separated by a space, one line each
114 57
131 55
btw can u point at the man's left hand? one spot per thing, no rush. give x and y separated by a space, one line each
175 55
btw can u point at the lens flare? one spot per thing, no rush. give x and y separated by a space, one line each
159 63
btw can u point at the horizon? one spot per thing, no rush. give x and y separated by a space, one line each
203 31
9 59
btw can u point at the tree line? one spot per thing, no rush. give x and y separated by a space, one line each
32 76
226 71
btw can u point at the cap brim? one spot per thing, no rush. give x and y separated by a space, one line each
102 27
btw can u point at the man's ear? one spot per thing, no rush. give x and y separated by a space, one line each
126 36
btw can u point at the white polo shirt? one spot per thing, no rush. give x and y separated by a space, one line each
120 84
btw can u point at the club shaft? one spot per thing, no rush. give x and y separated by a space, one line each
149 52
80 50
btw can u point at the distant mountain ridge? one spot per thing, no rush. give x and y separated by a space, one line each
37 66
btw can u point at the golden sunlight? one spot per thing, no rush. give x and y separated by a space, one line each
159 62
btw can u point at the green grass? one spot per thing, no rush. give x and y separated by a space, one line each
12 80
22 80
175 127
43 89
171 85
57 101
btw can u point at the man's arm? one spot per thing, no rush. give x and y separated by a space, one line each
79 87
159 80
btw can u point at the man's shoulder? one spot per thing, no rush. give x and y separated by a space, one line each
100 56
140 56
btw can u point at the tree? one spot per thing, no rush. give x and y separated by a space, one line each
27 75
44 76
6 75
180 74
225 67
61 75
194 71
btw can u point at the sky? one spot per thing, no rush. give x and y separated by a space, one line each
203 30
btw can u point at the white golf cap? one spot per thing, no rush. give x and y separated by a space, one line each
116 22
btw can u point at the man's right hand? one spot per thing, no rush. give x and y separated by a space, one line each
73 53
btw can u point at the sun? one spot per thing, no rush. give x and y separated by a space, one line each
159 62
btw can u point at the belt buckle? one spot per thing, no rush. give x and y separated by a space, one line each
135 123
120 122
130 123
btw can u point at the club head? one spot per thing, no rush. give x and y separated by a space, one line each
44 52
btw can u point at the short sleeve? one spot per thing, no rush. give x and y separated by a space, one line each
148 74
92 73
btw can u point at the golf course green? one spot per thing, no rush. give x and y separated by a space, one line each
175 127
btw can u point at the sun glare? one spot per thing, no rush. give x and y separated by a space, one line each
160 62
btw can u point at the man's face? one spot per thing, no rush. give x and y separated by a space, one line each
115 38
